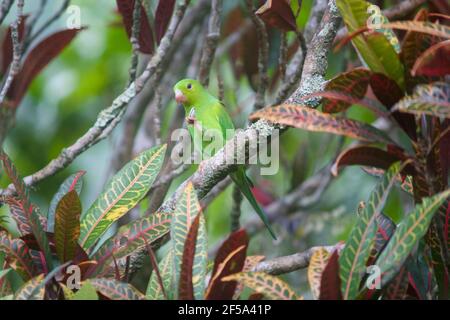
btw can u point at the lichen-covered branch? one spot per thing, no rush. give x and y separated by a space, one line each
286 264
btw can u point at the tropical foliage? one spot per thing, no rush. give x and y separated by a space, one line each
69 252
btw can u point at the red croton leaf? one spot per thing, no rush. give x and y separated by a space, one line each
330 284
163 14
7 48
230 259
37 59
434 62
353 83
146 41
278 14
389 93
367 156
186 288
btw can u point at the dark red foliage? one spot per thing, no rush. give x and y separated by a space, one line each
163 14
146 42
217 289
330 285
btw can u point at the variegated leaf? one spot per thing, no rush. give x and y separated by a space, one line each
353 83
358 247
34 289
316 266
116 290
271 287
302 117
154 290
67 226
32 214
432 99
250 263
410 230
186 209
18 253
434 29
73 182
131 238
122 193
17 210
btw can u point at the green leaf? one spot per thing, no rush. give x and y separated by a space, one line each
131 238
302 117
123 192
431 99
73 182
34 289
271 287
116 290
358 247
4 273
154 291
186 209
374 48
410 230
18 253
86 292
67 226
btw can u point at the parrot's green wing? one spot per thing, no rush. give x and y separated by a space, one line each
223 118
243 182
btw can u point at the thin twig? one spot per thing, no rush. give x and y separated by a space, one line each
263 56
134 39
14 67
293 79
4 9
47 24
211 42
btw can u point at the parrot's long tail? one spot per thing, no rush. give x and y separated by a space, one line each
243 182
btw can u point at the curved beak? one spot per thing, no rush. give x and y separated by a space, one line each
179 96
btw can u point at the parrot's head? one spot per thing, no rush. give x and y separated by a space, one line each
188 91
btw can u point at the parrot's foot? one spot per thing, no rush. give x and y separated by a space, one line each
190 120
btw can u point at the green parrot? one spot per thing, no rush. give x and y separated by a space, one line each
206 112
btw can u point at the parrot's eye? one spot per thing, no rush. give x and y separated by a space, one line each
189 86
